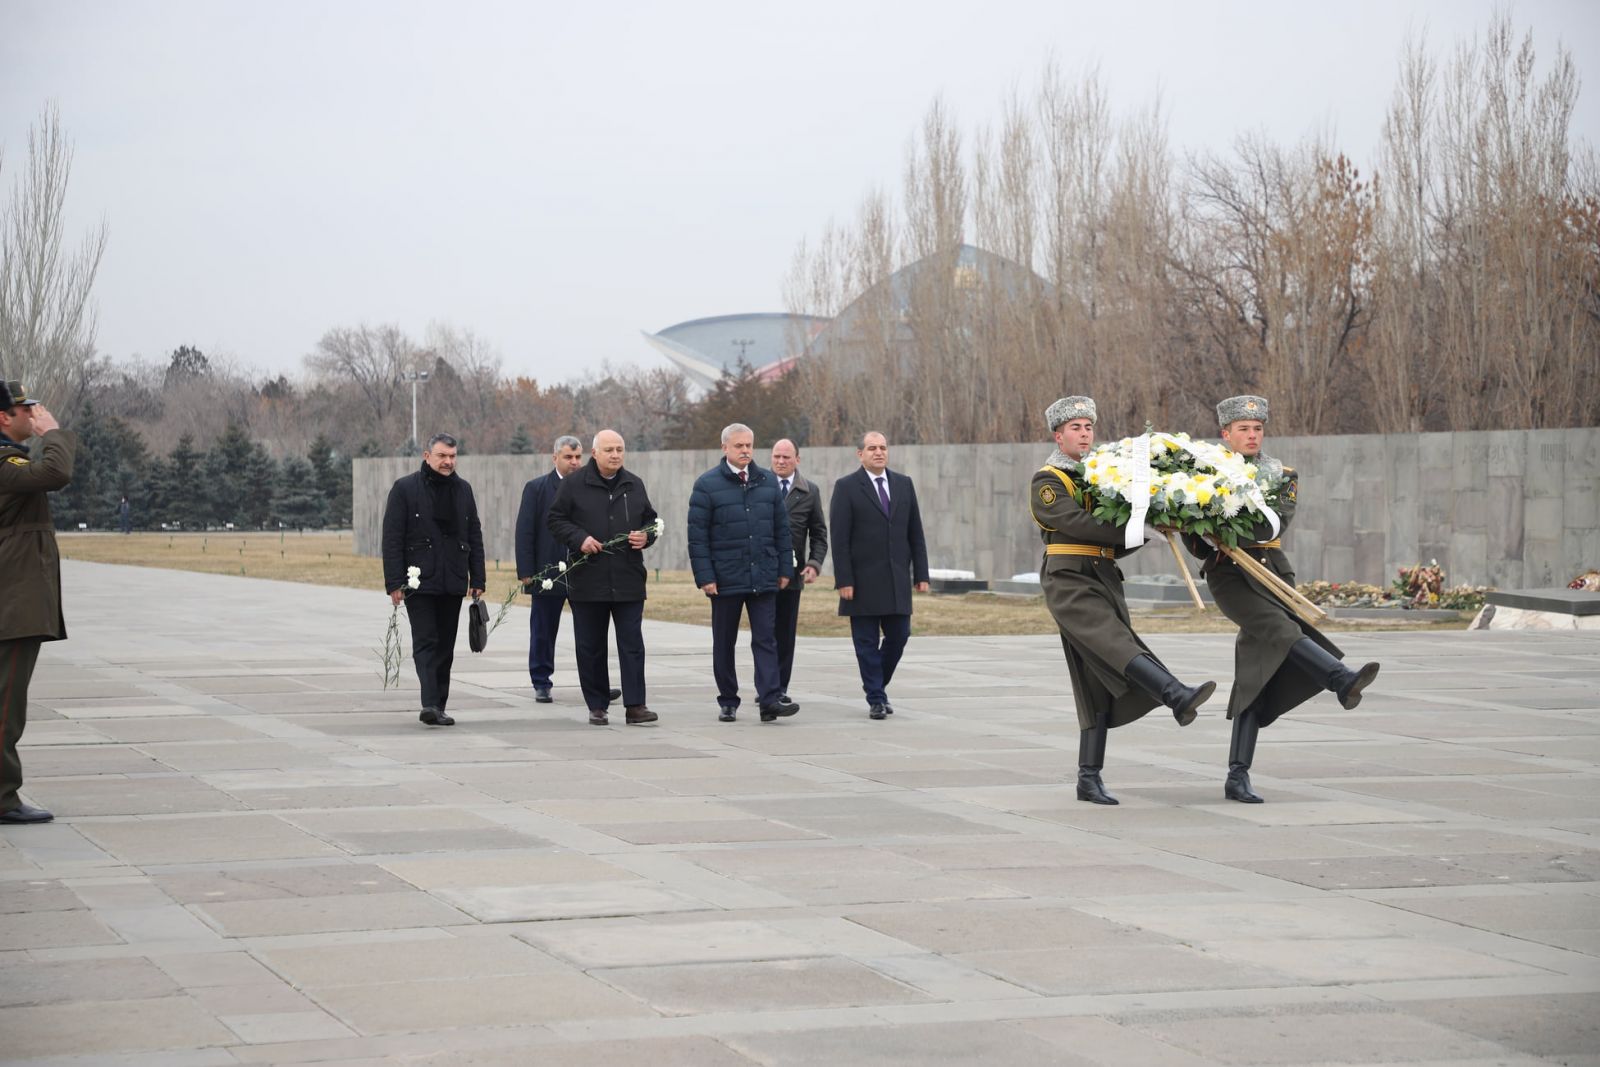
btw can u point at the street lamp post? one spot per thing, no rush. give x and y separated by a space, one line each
416 378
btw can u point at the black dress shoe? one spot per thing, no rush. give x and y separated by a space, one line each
781 710
888 708
24 813
727 714
638 714
541 694
877 711
599 718
435 717
613 694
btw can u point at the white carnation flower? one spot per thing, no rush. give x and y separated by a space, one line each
547 585
414 581
563 567
413 572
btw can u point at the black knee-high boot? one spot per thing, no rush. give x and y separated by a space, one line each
1334 676
1242 753
1091 758
1150 676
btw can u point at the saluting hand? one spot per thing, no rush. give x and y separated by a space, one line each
43 421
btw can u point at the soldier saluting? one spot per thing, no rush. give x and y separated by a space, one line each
1280 661
1115 677
30 612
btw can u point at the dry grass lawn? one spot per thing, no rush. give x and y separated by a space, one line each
328 559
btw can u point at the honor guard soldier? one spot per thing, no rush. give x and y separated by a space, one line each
30 613
1279 660
1115 677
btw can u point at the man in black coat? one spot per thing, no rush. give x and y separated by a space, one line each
431 524
879 556
538 556
604 512
739 550
808 537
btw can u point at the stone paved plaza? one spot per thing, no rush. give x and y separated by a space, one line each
262 857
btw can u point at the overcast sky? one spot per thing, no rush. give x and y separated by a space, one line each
561 176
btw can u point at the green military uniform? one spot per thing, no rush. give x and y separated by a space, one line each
1115 677
1263 675
30 610
1280 661
1083 590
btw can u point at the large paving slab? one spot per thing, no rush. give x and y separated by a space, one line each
261 856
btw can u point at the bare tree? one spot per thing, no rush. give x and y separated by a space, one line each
373 360
47 323
475 361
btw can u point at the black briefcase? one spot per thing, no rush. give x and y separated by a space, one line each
477 625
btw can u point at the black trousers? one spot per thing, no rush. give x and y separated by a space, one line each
725 613
17 659
434 621
591 620
783 628
544 623
877 660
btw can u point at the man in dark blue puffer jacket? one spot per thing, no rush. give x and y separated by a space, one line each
739 549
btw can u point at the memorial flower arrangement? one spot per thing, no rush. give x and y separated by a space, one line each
393 654
1172 480
1418 586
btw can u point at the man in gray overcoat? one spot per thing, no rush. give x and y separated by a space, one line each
808 538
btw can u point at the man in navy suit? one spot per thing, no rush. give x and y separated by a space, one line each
879 556
537 550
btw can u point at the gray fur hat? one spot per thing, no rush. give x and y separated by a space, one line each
1068 408
1242 407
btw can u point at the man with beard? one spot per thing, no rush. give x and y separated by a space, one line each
1116 679
1279 660
431 523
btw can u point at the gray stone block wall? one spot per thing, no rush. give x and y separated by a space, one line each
1510 508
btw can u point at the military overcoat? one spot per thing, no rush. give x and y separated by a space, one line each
29 560
1084 595
1262 673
